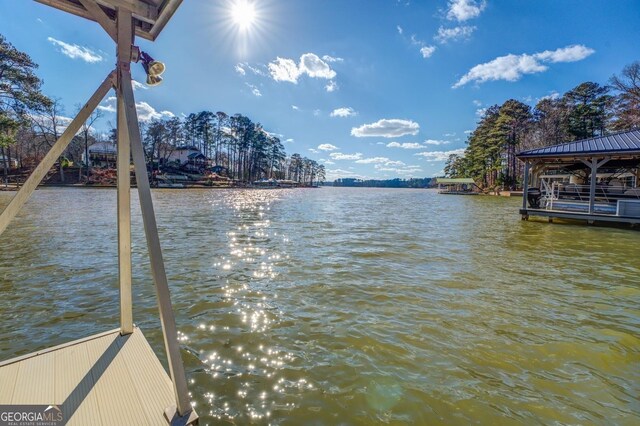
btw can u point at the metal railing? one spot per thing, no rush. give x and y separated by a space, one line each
573 197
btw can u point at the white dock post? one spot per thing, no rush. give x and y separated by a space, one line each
525 185
167 319
124 38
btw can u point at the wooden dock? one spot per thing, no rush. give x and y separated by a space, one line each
105 379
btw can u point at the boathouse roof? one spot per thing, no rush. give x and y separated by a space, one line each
455 180
149 16
617 143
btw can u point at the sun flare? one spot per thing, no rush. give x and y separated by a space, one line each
243 14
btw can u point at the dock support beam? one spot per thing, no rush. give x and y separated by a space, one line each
525 184
594 177
167 319
54 153
124 39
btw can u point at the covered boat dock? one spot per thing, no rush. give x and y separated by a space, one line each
595 179
456 186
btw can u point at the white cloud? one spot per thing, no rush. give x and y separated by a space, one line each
109 105
343 112
393 163
439 155
463 10
75 51
448 135
553 95
405 145
315 67
341 156
480 112
254 90
374 160
512 67
137 85
328 58
408 170
294 107
477 103
468 132
240 70
289 140
283 69
400 30
453 34
314 151
327 147
436 142
147 113
427 51
573 53
331 86
316 112
387 128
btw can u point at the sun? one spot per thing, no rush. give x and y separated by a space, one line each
243 14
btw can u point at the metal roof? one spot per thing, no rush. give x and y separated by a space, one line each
618 143
454 180
149 16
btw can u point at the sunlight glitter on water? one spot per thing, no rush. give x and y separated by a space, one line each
349 306
253 369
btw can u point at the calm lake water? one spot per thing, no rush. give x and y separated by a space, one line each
347 306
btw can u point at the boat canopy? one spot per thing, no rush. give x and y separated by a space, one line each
455 180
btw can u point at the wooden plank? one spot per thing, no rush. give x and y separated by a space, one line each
100 17
54 153
165 15
105 379
35 381
73 384
80 11
8 376
57 347
118 404
124 180
167 319
151 383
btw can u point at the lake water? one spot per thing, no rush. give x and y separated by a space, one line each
347 306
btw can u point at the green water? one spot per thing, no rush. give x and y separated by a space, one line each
347 306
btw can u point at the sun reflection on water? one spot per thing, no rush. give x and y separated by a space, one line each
252 376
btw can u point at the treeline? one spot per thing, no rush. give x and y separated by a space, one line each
588 110
388 183
235 142
30 123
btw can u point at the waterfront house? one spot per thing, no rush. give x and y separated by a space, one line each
11 162
102 154
188 157
595 179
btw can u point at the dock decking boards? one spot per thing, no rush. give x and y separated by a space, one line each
105 379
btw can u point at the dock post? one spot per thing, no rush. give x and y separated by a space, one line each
167 319
525 184
124 38
592 187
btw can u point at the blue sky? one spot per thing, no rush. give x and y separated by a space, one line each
371 88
